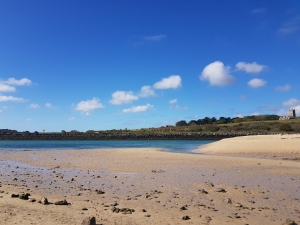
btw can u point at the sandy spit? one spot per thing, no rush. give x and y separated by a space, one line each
161 187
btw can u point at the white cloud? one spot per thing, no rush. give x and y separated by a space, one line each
283 88
291 26
71 118
173 101
250 67
255 114
136 109
1 111
217 74
256 83
291 103
173 81
146 91
21 82
123 97
89 105
258 10
155 37
6 88
48 105
29 119
34 106
4 98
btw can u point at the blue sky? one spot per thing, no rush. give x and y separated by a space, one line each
109 64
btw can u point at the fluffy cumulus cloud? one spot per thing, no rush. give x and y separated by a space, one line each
173 101
4 98
8 85
21 82
283 88
291 103
173 81
89 105
136 109
123 97
6 88
256 83
250 67
146 91
217 74
155 37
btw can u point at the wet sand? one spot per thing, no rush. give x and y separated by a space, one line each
256 188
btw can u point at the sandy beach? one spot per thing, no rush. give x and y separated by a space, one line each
246 180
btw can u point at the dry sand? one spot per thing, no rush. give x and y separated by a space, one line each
264 189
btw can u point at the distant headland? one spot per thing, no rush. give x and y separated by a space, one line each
202 129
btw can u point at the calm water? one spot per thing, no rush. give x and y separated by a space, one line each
183 146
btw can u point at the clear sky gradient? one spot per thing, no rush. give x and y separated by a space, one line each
105 64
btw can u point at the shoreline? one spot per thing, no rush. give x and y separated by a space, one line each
162 187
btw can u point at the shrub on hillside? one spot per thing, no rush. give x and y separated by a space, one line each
285 127
211 128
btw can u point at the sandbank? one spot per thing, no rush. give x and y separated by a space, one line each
268 145
161 187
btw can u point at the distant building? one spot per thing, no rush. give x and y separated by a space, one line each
292 115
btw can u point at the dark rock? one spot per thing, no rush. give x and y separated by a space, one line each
63 202
89 221
289 222
84 209
15 195
183 208
24 196
186 218
31 200
99 192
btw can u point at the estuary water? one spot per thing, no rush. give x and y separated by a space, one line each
179 146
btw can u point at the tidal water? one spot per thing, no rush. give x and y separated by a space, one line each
179 146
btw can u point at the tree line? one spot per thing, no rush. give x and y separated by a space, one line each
225 120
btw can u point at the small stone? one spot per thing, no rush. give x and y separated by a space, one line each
208 184
63 202
24 196
186 218
208 218
183 208
203 191
289 222
15 195
147 215
144 210
89 221
238 205
114 204
31 200
84 209
99 192
228 200
220 190
44 201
